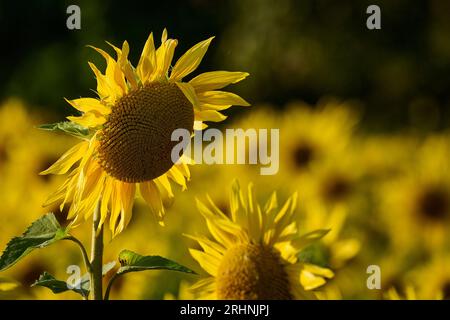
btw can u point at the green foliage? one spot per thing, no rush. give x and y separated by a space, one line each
68 127
131 262
42 233
58 286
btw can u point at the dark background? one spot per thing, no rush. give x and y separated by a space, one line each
294 50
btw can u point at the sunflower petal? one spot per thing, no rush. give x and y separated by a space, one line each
128 193
89 104
164 56
113 73
309 281
126 67
104 90
106 198
88 119
208 106
190 60
216 80
165 183
207 261
209 115
189 92
147 62
324 272
67 160
115 206
221 98
175 174
152 197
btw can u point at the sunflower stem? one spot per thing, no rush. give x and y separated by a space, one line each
83 253
96 256
108 289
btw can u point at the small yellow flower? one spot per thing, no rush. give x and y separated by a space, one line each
254 251
131 124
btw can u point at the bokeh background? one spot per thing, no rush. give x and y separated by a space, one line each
363 118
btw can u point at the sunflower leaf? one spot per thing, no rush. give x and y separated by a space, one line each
42 233
131 262
58 286
315 253
69 127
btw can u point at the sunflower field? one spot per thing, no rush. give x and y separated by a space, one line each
354 122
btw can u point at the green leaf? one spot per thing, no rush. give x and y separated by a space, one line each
58 286
131 262
316 253
42 233
69 127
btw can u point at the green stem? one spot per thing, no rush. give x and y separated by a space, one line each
108 289
83 253
97 256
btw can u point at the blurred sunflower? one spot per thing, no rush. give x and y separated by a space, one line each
24 153
254 254
432 279
11 131
385 156
131 124
309 136
410 293
415 205
335 180
334 250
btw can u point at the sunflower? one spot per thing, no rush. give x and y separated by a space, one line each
310 136
131 123
432 279
336 249
415 205
254 251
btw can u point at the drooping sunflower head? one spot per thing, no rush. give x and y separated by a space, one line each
130 129
253 253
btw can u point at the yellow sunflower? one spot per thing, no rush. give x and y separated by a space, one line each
427 281
310 136
254 251
335 249
415 205
432 279
131 124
